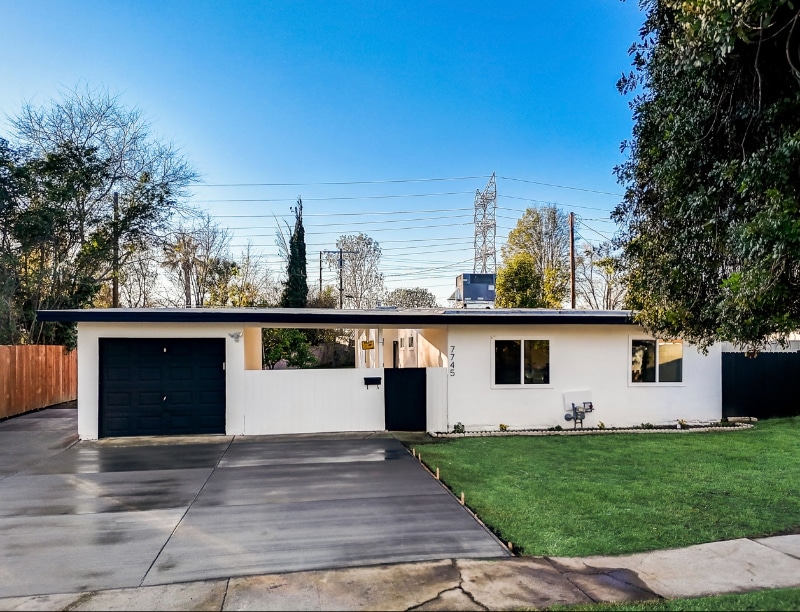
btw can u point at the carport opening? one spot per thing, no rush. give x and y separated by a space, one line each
282 348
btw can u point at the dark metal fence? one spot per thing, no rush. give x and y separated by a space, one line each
763 387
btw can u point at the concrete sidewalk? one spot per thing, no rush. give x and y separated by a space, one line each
461 584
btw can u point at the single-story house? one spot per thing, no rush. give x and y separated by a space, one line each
199 371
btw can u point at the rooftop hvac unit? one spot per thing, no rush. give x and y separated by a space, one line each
475 290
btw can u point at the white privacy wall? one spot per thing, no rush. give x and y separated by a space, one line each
436 399
594 358
312 401
89 365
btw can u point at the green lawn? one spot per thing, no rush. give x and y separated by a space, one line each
778 599
623 493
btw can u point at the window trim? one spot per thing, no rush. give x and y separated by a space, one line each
521 384
657 383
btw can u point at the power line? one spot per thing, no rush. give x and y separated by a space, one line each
550 203
591 229
383 182
336 198
414 180
508 178
352 223
346 214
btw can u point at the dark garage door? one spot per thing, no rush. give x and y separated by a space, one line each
151 387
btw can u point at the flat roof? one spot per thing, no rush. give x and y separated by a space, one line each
412 317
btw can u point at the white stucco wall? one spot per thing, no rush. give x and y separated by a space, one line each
595 358
89 365
436 399
312 401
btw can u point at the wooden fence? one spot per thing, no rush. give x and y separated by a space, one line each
34 376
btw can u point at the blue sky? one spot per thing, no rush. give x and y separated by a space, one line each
280 92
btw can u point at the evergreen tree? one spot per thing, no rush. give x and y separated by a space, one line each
711 214
295 292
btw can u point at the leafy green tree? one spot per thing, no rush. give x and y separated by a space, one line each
416 297
49 262
295 293
286 343
711 214
543 233
519 283
327 298
59 229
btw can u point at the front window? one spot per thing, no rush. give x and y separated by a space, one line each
656 361
521 362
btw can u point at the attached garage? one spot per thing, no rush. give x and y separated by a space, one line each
161 386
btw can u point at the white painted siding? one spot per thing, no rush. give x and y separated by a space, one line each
312 401
595 358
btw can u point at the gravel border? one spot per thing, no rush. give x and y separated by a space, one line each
593 431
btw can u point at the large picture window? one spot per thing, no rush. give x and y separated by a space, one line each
521 362
656 361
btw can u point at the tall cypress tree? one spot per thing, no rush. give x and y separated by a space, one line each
295 293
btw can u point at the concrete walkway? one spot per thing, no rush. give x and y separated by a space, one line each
469 584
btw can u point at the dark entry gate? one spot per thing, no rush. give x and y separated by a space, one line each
764 386
405 399
170 386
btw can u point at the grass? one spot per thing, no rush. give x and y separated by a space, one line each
778 599
613 494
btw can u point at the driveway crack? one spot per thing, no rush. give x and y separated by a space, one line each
469 595
225 594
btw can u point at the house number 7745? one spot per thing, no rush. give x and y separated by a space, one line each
452 361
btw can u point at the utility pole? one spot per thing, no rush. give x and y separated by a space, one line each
341 275
341 280
572 258
115 258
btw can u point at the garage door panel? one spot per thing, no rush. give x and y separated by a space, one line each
180 373
211 397
150 398
148 374
137 374
118 399
119 374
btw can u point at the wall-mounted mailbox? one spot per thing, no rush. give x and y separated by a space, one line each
372 380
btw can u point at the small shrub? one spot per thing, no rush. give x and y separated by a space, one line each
503 427
647 426
459 427
601 425
683 424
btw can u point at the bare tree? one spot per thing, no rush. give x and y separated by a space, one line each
139 280
598 277
151 176
196 258
362 279
245 282
65 237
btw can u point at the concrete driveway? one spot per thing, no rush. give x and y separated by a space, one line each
125 513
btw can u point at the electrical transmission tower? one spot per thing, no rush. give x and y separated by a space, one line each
486 229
